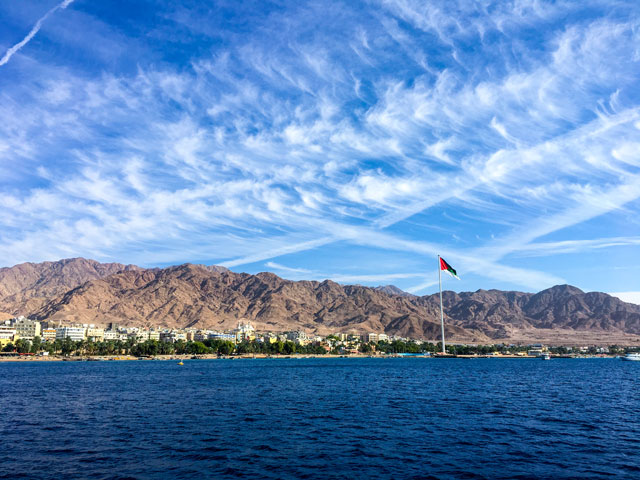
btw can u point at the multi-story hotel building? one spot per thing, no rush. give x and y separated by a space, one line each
27 329
48 334
74 333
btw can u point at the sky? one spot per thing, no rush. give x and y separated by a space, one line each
349 140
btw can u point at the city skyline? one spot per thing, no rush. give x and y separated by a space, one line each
354 143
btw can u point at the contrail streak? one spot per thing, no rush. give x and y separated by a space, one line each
7 56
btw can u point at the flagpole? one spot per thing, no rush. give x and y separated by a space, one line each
441 312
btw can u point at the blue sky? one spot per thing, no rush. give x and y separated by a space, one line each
345 140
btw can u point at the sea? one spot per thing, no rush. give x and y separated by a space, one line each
321 418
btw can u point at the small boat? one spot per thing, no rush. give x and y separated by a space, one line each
180 362
631 357
545 356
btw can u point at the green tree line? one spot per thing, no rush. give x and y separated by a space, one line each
224 347
153 347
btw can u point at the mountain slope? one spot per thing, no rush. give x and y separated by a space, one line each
192 295
28 286
85 291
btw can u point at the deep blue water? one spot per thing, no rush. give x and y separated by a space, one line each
321 418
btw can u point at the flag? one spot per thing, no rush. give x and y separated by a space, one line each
448 268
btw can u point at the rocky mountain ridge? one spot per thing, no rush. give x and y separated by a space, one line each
86 291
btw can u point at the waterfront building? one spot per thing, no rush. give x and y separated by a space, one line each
111 335
154 335
7 330
401 339
201 335
216 336
138 336
299 337
196 335
383 337
74 333
48 334
95 334
245 331
536 350
222 336
27 329
7 335
172 336
369 338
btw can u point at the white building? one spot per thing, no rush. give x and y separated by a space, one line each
173 336
7 335
111 335
48 334
138 336
245 331
369 338
221 336
299 337
74 333
114 335
7 332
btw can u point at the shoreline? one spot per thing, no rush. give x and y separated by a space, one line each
165 358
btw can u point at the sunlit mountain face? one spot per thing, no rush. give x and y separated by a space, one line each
350 140
84 291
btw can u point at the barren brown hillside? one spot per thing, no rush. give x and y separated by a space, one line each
85 291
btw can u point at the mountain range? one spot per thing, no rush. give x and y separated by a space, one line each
85 291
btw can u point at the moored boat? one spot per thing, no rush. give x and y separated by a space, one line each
631 357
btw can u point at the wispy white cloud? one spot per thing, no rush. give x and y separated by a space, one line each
422 287
304 273
377 130
277 252
629 297
36 28
575 246
284 268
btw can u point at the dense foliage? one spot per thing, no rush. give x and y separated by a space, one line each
225 347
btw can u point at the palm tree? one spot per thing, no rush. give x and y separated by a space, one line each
129 344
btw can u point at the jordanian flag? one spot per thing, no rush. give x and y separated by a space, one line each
448 268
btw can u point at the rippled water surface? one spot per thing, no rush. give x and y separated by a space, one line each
321 418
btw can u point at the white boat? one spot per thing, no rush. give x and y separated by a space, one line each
545 356
631 357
